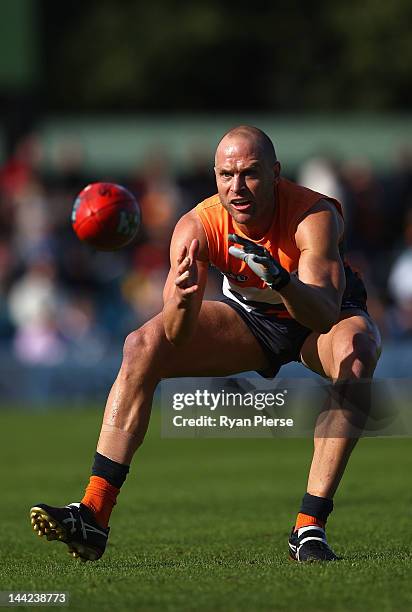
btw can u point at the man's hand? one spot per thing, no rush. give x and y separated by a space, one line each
260 261
187 278
187 274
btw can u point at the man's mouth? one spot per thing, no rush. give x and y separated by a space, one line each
241 204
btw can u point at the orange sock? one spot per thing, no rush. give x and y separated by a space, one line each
100 497
304 520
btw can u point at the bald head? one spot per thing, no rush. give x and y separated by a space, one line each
257 139
246 172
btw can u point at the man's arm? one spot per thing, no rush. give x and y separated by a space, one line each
314 299
186 282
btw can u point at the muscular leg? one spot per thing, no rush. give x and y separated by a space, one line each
222 345
348 355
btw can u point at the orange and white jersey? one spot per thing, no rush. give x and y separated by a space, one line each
240 283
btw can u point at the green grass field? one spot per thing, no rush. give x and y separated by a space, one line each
203 524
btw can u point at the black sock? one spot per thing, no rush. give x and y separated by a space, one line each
319 507
115 473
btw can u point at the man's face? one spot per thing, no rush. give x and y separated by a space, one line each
245 182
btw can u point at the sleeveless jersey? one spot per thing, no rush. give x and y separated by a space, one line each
292 201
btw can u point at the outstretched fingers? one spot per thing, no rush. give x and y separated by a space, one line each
182 280
186 278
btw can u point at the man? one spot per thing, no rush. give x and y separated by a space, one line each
288 297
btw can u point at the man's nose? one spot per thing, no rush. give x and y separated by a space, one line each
238 183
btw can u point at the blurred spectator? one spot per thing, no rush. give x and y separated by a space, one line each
198 182
86 340
144 292
398 194
33 222
68 163
400 286
39 343
61 300
6 268
320 174
22 168
35 295
363 198
33 303
160 198
161 202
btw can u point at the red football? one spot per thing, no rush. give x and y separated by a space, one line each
106 216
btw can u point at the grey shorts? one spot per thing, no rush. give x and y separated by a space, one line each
282 338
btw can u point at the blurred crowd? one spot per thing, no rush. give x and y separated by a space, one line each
61 300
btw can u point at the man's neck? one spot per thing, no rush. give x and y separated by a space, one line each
256 231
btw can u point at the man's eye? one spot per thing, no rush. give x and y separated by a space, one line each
225 174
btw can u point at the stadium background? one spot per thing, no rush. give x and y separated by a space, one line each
140 96
140 93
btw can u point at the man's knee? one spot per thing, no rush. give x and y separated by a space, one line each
136 347
355 356
140 348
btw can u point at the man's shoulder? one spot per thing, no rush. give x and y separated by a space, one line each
298 202
212 202
207 210
293 193
188 227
